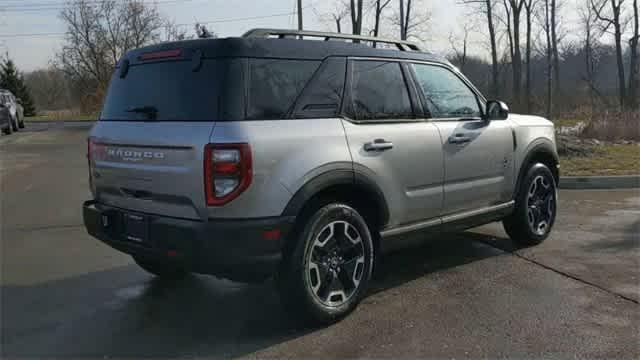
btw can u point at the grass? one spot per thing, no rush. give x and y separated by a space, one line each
61 116
613 160
568 122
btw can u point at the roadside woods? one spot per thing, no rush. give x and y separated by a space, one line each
556 58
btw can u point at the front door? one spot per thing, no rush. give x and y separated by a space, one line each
478 154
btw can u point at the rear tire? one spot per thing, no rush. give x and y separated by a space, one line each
327 271
21 124
163 269
535 210
14 125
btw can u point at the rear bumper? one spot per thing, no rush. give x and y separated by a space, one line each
243 250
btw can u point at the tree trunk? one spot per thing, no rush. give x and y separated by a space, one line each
527 94
549 49
554 42
402 37
516 61
406 20
356 17
494 51
634 65
299 14
618 39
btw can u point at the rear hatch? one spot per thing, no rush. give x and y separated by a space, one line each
146 150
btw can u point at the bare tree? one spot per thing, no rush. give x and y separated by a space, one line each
173 32
336 15
588 19
356 16
379 6
611 16
98 34
486 8
410 20
460 52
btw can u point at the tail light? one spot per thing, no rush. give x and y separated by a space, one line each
95 151
227 172
90 147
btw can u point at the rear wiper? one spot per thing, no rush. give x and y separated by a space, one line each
150 111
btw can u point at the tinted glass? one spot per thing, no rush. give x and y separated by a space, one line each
378 91
446 94
275 85
172 89
323 95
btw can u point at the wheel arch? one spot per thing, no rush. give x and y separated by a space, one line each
345 185
352 188
542 151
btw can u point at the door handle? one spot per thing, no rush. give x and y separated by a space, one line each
378 145
459 139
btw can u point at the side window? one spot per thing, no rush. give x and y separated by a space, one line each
379 91
275 84
323 95
446 94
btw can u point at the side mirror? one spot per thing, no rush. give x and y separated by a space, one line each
497 110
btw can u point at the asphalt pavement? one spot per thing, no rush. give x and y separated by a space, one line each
464 295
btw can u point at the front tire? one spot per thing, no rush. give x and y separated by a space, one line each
327 272
535 210
163 269
8 130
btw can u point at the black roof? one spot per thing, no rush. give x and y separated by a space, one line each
285 48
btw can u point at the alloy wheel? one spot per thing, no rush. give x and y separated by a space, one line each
335 263
540 205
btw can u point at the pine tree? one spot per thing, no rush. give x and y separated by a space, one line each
12 80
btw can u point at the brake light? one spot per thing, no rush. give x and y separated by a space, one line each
227 172
95 151
164 54
90 146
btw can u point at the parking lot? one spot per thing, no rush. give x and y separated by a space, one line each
466 295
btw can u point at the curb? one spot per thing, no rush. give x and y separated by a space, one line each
600 182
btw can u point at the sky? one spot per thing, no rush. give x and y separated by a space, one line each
28 28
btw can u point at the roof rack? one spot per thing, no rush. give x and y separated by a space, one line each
284 33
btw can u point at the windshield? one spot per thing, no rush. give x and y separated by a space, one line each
167 91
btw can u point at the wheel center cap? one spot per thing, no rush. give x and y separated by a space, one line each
334 262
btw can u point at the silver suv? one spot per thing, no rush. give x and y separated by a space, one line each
270 155
11 112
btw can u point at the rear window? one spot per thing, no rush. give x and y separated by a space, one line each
274 85
173 91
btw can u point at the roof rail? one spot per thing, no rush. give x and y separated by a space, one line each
283 33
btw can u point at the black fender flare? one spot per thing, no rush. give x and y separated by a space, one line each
337 178
540 147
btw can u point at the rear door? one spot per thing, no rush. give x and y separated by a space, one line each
478 154
147 148
390 143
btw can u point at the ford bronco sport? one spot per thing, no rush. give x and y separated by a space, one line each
276 155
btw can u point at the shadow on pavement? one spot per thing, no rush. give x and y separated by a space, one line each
123 312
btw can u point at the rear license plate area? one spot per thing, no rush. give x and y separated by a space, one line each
136 228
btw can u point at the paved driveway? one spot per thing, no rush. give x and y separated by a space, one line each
459 295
